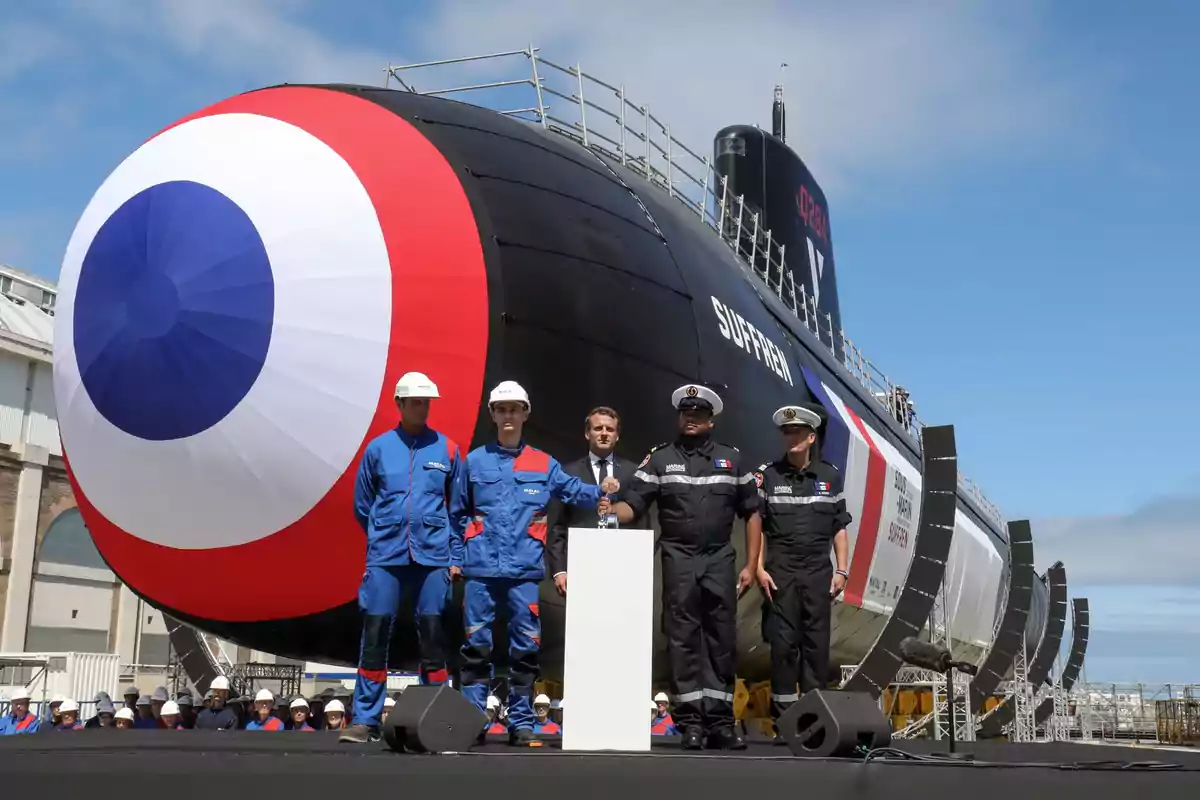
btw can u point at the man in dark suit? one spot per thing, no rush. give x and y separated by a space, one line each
602 430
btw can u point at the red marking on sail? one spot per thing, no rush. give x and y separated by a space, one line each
868 524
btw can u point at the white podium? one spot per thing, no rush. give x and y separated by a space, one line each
609 644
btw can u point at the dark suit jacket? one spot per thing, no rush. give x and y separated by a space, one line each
565 516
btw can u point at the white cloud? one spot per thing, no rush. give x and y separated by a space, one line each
1157 544
24 46
889 88
254 40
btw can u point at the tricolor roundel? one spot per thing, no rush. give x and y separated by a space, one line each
236 305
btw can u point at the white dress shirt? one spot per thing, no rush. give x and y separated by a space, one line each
595 462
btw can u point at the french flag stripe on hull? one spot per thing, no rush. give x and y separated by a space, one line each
846 447
849 447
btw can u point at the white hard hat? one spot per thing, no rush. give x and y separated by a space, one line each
59 699
68 706
541 700
661 697
493 702
509 392
264 694
415 384
389 702
653 706
169 708
299 702
218 683
125 713
335 705
21 694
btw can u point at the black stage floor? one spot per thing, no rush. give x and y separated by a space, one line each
196 763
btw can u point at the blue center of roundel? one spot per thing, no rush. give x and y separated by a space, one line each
173 312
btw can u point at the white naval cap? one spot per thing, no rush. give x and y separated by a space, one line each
693 395
796 415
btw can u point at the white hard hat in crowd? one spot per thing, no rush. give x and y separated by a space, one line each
220 682
509 392
415 384
661 697
335 705
389 702
493 702
653 706
299 702
21 694
125 713
541 700
68 706
169 708
264 694
58 700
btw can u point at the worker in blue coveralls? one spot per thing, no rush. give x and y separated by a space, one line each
499 547
409 480
19 718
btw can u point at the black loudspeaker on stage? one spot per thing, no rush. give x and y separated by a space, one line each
834 724
433 719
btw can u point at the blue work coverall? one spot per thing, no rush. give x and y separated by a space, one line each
10 725
406 488
500 550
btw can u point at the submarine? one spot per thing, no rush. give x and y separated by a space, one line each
242 292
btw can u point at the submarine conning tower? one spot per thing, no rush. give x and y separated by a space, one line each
781 200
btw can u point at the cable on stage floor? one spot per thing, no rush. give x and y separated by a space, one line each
890 755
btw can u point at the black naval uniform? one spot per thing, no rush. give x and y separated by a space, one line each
700 485
802 510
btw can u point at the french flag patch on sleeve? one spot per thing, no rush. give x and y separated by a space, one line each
723 463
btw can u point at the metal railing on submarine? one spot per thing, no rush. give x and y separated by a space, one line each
633 136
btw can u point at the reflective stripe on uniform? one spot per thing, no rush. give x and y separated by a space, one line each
785 698
708 480
803 501
712 694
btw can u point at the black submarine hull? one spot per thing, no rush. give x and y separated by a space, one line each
602 289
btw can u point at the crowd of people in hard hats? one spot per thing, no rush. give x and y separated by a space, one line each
262 712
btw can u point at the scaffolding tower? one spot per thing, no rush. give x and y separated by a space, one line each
1021 729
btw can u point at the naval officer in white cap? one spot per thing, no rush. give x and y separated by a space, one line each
803 515
700 485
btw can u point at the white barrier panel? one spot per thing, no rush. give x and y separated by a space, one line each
609 647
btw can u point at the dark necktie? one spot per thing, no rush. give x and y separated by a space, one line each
603 470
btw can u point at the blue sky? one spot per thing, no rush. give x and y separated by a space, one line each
1011 192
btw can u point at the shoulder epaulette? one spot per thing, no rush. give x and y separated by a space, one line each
731 447
659 445
762 467
831 466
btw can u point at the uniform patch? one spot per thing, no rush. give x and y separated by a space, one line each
723 463
758 479
645 460
783 490
436 465
822 486
675 468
